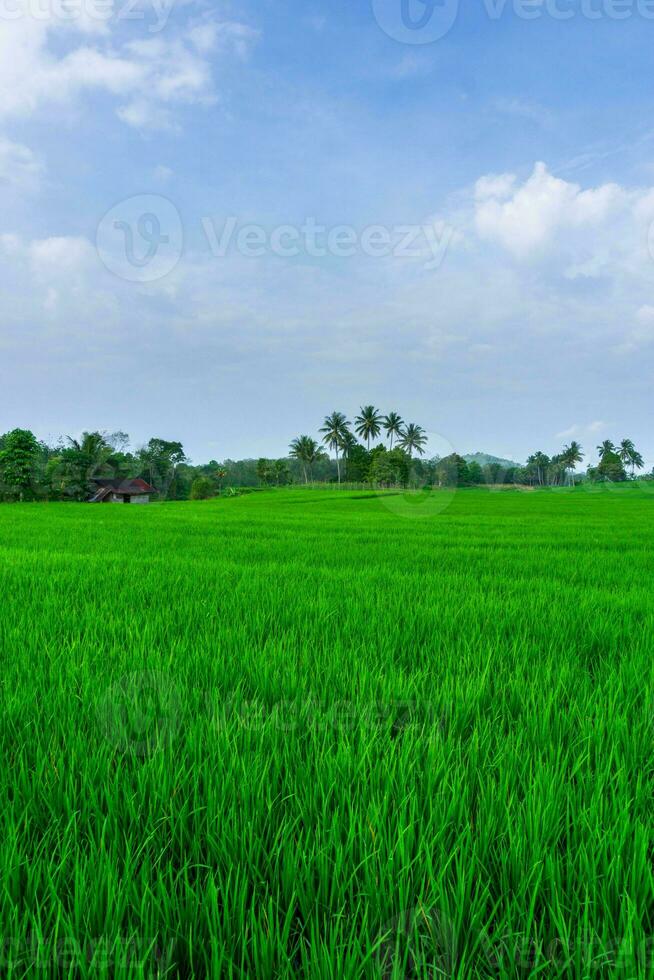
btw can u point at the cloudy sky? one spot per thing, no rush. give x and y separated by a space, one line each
219 222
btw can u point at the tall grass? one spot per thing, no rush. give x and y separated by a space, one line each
297 734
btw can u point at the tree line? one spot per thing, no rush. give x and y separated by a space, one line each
33 470
389 465
344 452
616 464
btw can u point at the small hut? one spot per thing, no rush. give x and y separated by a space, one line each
121 492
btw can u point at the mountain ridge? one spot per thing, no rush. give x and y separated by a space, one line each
486 459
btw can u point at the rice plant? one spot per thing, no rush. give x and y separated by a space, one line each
301 733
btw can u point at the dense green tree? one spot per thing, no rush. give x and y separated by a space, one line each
610 469
240 473
380 473
389 468
73 468
281 472
202 488
401 466
159 461
357 464
266 471
180 486
453 471
492 473
475 473
18 458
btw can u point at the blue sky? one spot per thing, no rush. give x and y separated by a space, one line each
516 151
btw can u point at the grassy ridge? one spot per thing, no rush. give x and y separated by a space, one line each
306 734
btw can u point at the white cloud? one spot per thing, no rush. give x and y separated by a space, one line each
578 431
641 333
20 168
48 61
523 109
56 258
496 186
528 219
162 174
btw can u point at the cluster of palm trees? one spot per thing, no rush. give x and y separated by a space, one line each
626 453
557 470
337 435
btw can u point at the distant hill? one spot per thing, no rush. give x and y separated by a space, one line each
485 458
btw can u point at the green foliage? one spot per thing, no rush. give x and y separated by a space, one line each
357 464
307 452
18 457
630 456
202 488
610 468
67 471
453 471
475 473
392 425
72 470
160 463
368 423
413 439
389 469
297 735
336 434
273 472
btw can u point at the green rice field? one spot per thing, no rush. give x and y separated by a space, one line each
329 734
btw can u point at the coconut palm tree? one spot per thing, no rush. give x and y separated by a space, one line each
314 455
392 423
572 455
334 431
412 439
630 456
368 424
306 451
637 462
540 463
625 450
605 448
93 450
348 442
